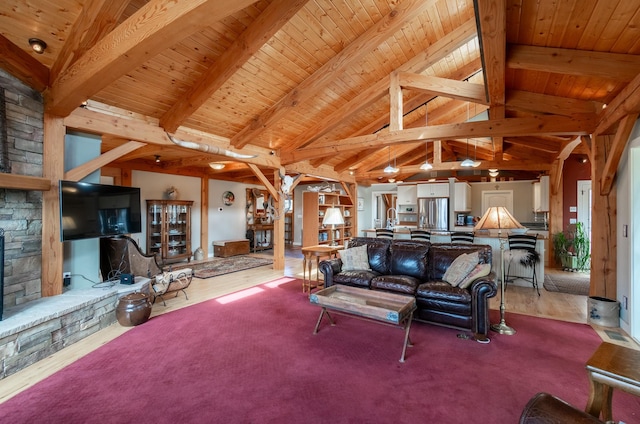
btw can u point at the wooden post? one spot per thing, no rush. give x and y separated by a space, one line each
278 225
53 169
603 229
204 215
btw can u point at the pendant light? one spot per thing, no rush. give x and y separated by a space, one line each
426 165
390 169
467 163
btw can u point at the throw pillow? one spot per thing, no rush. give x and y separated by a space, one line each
480 270
460 268
355 259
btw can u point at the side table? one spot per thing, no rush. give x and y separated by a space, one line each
309 252
611 367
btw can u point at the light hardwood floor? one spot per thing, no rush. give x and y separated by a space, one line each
522 300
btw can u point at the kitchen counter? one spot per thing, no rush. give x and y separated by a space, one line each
492 240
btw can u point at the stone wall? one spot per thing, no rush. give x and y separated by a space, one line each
21 211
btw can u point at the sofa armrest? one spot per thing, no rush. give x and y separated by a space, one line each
329 268
481 290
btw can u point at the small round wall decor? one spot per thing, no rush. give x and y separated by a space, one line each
228 198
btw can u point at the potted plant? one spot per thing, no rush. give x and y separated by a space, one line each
572 248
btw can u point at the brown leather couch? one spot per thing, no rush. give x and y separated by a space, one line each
416 268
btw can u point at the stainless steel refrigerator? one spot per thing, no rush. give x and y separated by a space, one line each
433 213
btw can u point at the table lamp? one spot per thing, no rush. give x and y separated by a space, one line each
333 217
498 217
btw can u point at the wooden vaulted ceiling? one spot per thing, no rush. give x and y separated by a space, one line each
332 88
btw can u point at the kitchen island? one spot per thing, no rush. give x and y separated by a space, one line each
493 241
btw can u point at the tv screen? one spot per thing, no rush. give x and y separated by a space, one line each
96 210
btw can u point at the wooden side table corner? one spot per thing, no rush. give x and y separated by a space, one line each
318 251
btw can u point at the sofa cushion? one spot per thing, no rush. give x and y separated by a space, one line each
441 290
378 251
409 257
404 284
460 268
355 258
481 270
355 278
442 255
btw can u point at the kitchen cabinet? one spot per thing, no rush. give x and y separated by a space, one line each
541 195
407 194
433 190
462 197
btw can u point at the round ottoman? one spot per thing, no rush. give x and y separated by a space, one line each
133 309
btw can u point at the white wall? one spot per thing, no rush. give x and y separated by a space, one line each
225 224
81 257
522 198
628 247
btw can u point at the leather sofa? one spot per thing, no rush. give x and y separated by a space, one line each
416 268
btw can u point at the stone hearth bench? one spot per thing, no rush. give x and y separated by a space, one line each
37 329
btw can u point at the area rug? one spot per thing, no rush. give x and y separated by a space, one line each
571 283
221 266
251 357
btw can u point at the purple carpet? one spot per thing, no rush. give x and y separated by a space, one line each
252 358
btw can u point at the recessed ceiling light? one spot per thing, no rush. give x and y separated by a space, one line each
37 45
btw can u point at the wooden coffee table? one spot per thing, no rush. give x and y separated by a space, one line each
611 366
386 308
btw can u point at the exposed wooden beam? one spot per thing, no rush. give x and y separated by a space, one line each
613 66
443 87
395 102
627 102
264 180
23 66
132 43
277 14
147 132
492 22
615 153
97 18
543 125
432 54
79 172
355 51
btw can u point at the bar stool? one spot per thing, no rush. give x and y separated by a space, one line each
384 233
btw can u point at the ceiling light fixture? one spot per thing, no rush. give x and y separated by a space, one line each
216 165
390 169
493 173
37 45
157 159
426 165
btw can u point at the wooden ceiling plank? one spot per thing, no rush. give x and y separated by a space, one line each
615 153
98 18
443 87
79 172
611 66
543 125
23 66
275 16
310 87
537 102
142 36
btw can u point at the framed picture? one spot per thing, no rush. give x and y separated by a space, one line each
360 203
228 198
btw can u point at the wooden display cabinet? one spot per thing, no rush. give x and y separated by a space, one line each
169 229
314 206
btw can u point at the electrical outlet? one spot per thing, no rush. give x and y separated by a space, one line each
66 279
625 302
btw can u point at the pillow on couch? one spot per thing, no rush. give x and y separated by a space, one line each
355 259
480 270
460 268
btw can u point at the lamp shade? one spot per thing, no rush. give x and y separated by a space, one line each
333 216
497 217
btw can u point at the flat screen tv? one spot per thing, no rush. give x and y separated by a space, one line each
96 210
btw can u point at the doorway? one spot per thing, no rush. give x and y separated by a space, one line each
584 206
492 198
